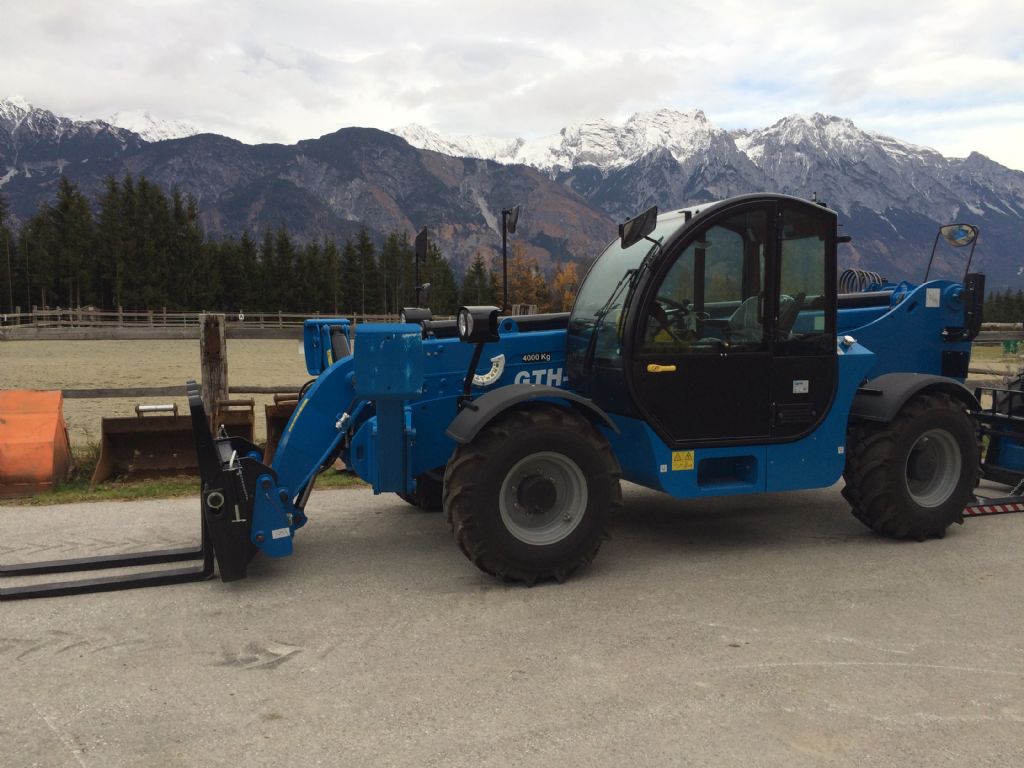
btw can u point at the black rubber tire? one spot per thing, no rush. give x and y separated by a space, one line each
473 482
428 493
877 457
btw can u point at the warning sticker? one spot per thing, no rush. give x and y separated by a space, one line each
682 460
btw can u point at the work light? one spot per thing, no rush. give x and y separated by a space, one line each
478 324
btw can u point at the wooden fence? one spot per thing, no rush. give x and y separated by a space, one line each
86 317
84 323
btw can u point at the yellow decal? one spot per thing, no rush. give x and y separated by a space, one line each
298 413
655 368
682 460
330 359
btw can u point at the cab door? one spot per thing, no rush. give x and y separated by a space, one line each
733 337
804 360
700 354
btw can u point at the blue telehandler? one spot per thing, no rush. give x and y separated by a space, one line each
709 352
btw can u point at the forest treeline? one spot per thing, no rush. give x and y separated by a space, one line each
1004 307
139 247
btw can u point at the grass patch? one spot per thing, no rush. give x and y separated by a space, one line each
77 489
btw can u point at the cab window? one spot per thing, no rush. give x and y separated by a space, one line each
713 296
803 321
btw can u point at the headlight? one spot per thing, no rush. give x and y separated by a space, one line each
478 324
414 315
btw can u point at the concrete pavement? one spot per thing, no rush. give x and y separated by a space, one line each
767 631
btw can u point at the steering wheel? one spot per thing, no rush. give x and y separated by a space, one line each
667 312
682 307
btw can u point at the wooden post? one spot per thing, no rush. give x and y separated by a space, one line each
213 356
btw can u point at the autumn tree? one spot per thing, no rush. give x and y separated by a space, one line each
526 283
564 285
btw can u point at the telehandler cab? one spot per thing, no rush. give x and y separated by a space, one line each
708 353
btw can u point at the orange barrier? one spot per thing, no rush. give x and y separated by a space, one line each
35 454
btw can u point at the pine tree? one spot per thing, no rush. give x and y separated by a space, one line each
8 260
476 285
74 231
286 266
497 289
444 292
267 294
154 279
391 274
332 277
39 245
351 284
370 298
197 279
309 285
111 245
246 279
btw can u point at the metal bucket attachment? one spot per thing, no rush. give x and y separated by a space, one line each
277 416
35 454
236 418
149 445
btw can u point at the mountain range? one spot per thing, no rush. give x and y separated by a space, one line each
574 186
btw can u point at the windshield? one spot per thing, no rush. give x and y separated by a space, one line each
599 305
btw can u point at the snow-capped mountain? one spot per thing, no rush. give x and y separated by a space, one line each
575 184
152 128
37 143
892 193
18 118
599 143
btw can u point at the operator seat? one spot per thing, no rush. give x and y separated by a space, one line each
745 323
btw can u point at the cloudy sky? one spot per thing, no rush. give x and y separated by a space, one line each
945 74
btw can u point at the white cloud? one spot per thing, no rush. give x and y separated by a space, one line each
938 73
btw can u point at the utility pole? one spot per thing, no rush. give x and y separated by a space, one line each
10 275
28 277
419 254
509 219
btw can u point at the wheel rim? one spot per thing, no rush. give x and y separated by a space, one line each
543 498
933 468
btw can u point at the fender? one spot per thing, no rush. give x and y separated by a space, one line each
481 411
881 398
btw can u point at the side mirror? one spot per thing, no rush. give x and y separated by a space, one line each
636 229
420 245
512 215
959 235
